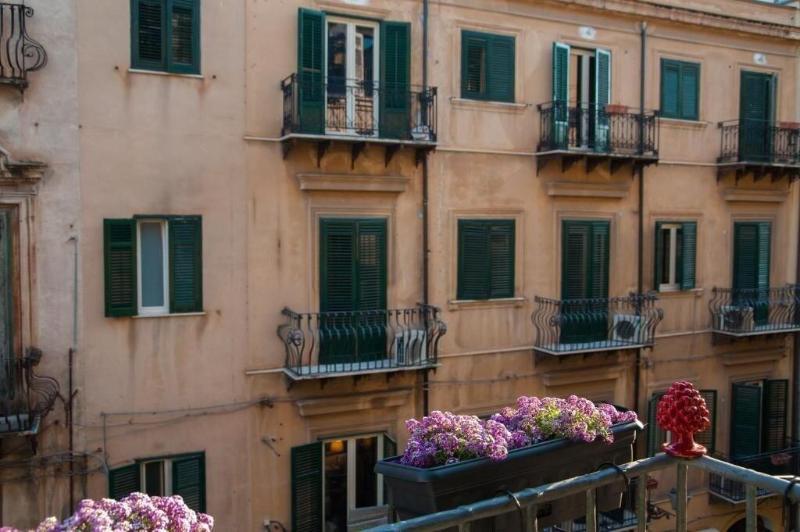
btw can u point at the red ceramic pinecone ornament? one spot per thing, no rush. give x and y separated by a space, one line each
682 411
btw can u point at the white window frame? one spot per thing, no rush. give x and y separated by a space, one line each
350 441
163 309
166 464
672 263
350 70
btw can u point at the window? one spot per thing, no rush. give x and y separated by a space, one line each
680 88
165 35
153 265
182 475
676 244
758 417
334 484
487 66
656 436
751 262
485 259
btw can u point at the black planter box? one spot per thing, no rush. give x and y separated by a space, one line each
416 491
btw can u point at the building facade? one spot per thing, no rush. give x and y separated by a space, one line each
301 223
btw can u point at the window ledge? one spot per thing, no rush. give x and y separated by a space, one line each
162 73
456 304
169 315
487 105
677 292
682 123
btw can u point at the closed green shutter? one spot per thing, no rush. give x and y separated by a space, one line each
500 68
395 120
189 480
688 256
371 269
584 275
474 51
186 264
602 99
485 259
148 35
708 436
680 89
751 263
575 250
501 259
487 66
122 481
776 401
310 70
656 436
183 36
119 237
745 420
670 88
755 114
599 260
307 487
690 88
337 266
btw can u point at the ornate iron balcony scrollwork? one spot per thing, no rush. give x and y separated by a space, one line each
19 52
750 312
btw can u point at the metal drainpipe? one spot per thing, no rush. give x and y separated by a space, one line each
425 250
640 277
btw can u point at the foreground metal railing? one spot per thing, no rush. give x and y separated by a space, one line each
612 129
740 312
19 53
783 462
324 344
313 104
599 324
760 141
526 502
27 397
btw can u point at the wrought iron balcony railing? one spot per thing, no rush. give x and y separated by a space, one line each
315 105
608 129
776 463
526 502
760 142
328 344
739 312
19 53
601 324
26 397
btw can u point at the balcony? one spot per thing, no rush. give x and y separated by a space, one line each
19 53
753 312
28 400
777 463
761 148
577 326
594 135
356 112
334 344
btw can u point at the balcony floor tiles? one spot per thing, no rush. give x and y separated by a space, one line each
349 369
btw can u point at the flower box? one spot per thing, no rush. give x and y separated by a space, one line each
415 491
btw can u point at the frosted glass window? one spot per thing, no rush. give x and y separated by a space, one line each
152 267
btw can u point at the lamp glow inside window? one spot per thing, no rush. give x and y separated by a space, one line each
669 253
153 268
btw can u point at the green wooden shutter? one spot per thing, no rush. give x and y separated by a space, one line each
745 255
599 260
474 52
186 264
708 437
658 260
755 114
183 36
670 88
576 247
745 420
500 68
395 102
310 70
584 274
602 99
148 34
560 118
688 246
337 265
776 401
371 265
764 242
656 436
689 90
121 296
307 487
122 481
8 359
501 259
189 480
389 447
473 261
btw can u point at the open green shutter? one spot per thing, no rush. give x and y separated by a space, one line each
776 403
186 264
745 437
764 238
500 68
560 119
602 98
473 260
656 436
183 36
148 34
501 259
371 265
119 237
307 487
8 373
189 480
474 52
310 70
689 90
658 271
708 436
688 246
599 260
122 481
395 101
670 87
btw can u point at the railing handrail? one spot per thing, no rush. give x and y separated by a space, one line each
573 104
377 84
777 124
648 296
